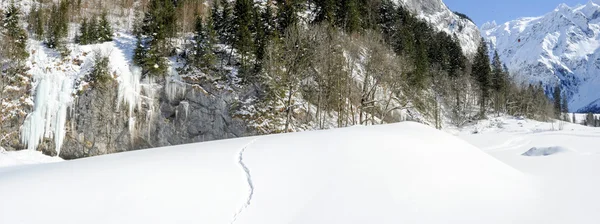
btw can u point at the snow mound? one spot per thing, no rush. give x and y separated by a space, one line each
544 151
24 157
379 174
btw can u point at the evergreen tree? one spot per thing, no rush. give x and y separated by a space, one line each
204 56
565 104
348 16
268 20
499 81
557 101
36 22
226 29
325 11
105 32
418 77
58 25
15 37
157 26
216 15
84 37
100 75
387 20
457 60
481 72
243 40
287 14
93 28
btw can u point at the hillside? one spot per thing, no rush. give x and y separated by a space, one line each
387 173
91 78
351 175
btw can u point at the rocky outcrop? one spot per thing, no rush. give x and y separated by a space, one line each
436 13
97 125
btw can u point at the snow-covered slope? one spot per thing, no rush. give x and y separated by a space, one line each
443 19
562 46
378 174
568 172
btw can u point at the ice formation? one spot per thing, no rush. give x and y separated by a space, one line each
53 96
174 87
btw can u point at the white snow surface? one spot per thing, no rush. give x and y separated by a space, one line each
23 157
377 174
567 181
562 46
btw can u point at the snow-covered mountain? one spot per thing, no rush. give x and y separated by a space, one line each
443 19
562 46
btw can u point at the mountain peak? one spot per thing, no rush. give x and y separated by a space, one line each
562 7
489 25
563 44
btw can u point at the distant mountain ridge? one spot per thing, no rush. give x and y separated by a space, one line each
560 47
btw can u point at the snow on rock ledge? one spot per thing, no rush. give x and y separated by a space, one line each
379 174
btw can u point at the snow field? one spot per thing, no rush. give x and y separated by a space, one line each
379 174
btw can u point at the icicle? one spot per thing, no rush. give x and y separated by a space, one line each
149 120
48 118
129 89
131 125
186 108
174 86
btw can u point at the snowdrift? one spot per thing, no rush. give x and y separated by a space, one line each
24 157
401 173
545 151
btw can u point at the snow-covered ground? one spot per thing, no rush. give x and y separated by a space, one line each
24 157
399 173
566 163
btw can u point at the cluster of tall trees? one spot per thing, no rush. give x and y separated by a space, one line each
276 52
360 60
14 77
95 31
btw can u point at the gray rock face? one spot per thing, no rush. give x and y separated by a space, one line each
97 127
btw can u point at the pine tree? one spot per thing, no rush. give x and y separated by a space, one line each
325 11
564 105
58 26
499 81
105 32
36 22
418 77
204 56
287 14
243 20
348 16
15 37
157 26
217 17
387 20
84 37
481 73
226 30
100 75
93 28
557 101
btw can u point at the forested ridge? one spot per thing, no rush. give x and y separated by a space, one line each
297 64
